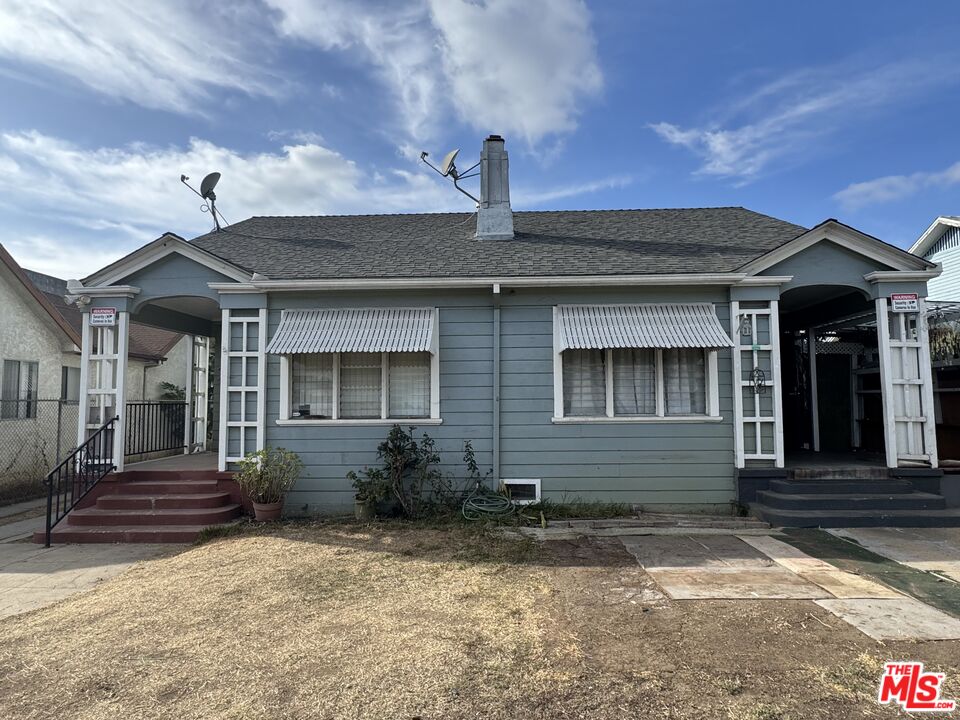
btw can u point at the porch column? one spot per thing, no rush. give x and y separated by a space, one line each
243 372
886 382
103 375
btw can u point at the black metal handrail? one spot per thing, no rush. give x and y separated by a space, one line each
69 481
155 426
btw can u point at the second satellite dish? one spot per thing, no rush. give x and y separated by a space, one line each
447 166
208 184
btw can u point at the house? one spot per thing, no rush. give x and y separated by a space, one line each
679 358
40 338
940 243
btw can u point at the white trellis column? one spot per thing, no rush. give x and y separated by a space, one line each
103 373
242 383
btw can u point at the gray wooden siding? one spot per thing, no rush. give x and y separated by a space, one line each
466 405
670 463
947 252
649 463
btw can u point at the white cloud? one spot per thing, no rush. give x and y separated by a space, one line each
512 66
162 55
115 199
895 187
780 120
132 194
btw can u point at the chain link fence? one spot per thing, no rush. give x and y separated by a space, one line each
35 435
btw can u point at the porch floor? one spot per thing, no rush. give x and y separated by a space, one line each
194 461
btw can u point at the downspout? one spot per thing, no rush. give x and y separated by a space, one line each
496 385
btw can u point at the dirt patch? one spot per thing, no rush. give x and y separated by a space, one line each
392 622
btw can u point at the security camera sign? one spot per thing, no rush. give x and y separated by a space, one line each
103 317
904 302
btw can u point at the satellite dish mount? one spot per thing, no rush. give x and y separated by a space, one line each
448 168
208 196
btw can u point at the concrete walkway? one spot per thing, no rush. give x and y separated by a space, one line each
32 576
934 550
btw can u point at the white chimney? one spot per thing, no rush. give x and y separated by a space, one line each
494 217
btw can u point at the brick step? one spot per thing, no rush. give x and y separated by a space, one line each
190 516
842 487
857 518
142 475
855 501
122 501
167 487
123 534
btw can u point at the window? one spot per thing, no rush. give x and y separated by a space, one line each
18 390
638 383
70 384
360 386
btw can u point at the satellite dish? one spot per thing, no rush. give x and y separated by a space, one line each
447 165
208 184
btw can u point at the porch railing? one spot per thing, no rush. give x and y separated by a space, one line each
73 478
155 426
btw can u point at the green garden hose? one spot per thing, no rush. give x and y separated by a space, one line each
482 503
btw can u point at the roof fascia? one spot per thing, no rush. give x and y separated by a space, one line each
479 282
844 236
160 248
933 233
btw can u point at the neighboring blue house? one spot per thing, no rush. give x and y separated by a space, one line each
643 356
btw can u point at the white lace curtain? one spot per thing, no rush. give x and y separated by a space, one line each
685 382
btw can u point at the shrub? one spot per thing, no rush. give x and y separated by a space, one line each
267 475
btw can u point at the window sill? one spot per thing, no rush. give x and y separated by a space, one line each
389 422
641 419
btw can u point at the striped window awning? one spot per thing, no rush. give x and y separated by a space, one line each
670 325
354 330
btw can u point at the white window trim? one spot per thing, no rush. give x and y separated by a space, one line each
712 390
286 389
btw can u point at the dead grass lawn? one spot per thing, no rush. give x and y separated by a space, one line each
341 621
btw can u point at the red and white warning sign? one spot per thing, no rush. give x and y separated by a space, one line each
904 302
103 317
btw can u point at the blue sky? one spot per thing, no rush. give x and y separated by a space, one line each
800 110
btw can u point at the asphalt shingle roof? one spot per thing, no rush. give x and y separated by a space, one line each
572 242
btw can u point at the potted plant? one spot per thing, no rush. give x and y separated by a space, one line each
371 489
265 477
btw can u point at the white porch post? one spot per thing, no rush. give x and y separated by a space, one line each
814 398
83 412
777 383
188 396
224 382
886 383
926 389
119 433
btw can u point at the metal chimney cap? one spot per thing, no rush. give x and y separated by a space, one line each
496 138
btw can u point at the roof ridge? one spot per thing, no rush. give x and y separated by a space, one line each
466 212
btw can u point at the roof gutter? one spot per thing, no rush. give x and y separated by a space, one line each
504 282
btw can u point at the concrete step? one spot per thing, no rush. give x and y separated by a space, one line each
166 487
120 501
851 501
200 516
123 534
838 473
842 487
857 518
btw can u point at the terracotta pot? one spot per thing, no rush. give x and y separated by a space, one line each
265 512
363 510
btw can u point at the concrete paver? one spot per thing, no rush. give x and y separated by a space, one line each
895 618
929 549
698 567
838 583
